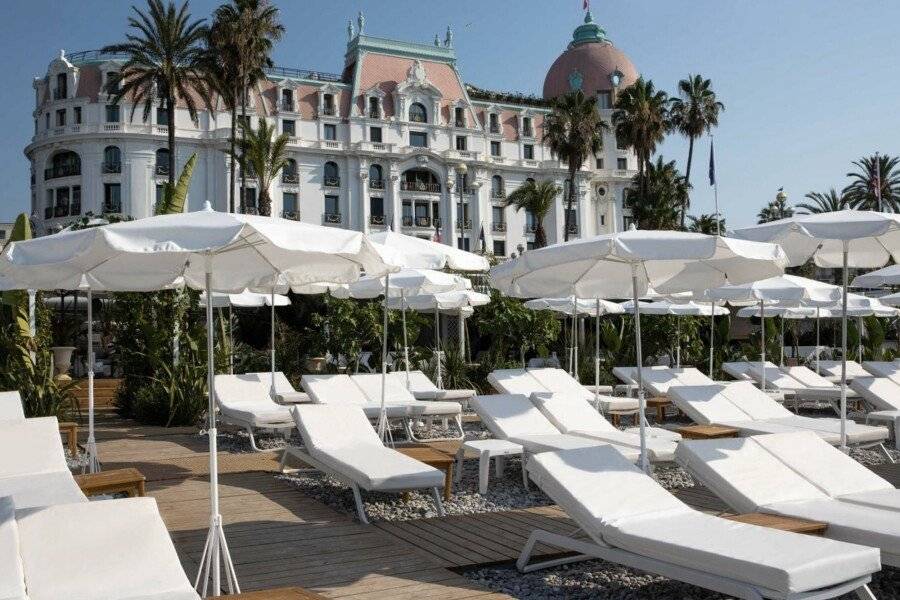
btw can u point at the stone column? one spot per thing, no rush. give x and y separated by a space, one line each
450 199
365 207
476 214
392 197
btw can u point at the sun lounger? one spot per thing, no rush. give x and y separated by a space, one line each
633 521
558 381
831 370
579 418
883 394
889 369
396 393
285 393
340 441
513 417
115 550
797 382
738 369
746 408
33 467
11 407
523 381
422 388
751 475
244 401
658 380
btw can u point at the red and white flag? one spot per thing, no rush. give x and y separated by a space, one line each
587 5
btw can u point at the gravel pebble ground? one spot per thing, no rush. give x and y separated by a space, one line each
600 580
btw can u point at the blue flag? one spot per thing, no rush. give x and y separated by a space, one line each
712 164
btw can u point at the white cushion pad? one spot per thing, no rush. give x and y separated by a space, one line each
333 389
42 489
568 412
31 446
110 550
559 381
333 426
378 468
880 392
507 415
753 401
887 499
659 450
12 578
706 404
616 403
534 444
515 381
11 406
258 414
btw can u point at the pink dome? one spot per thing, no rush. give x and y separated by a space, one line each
588 64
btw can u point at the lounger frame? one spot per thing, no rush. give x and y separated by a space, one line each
589 550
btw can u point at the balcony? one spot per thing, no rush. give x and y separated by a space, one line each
289 177
572 228
374 114
494 128
462 154
530 228
376 184
333 182
464 224
291 215
48 212
331 144
110 167
161 170
332 218
527 133
61 210
286 105
328 111
112 206
376 220
420 186
62 171
498 226
60 94
407 221
423 221
498 194
461 123
247 174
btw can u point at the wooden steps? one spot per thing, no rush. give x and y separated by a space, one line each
104 391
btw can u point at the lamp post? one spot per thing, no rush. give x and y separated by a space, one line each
461 170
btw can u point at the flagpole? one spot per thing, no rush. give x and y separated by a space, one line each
714 181
878 180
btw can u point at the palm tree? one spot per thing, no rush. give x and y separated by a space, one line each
574 132
665 192
262 152
641 119
776 209
537 199
862 190
223 77
829 201
706 223
165 63
252 28
693 113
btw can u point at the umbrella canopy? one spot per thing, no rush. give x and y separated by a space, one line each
569 305
881 278
204 250
846 239
443 301
784 312
628 263
245 300
408 282
425 254
669 262
788 290
891 299
681 309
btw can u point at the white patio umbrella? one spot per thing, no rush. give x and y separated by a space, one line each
247 299
842 239
628 263
889 275
783 312
458 302
891 299
859 307
204 250
785 290
685 308
581 306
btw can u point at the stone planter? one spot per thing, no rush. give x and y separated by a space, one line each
315 365
62 361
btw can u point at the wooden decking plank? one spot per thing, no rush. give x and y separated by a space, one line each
462 527
426 542
450 538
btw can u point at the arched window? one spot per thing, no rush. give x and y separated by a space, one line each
332 175
162 161
112 160
63 164
376 177
289 173
417 113
497 189
61 86
420 180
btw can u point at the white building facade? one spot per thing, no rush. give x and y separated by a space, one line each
396 140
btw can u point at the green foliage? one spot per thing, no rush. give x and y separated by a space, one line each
537 199
343 325
706 223
658 197
514 331
17 301
174 198
262 151
455 372
773 340
861 193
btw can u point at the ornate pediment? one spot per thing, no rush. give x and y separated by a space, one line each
417 79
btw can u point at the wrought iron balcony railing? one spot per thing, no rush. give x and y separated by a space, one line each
376 219
501 193
423 221
109 167
62 171
162 170
376 184
499 226
464 224
407 221
333 181
293 215
112 206
289 177
420 186
333 218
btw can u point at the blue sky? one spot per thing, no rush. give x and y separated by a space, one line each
809 85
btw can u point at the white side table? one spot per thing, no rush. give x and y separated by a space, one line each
486 450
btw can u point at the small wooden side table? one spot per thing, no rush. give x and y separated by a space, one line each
660 404
779 522
289 593
707 432
70 430
433 458
129 481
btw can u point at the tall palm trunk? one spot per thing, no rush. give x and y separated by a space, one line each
243 139
540 236
687 175
170 122
232 140
570 201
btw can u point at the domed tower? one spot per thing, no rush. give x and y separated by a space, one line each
593 65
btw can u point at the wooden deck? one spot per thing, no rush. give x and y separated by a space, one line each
280 537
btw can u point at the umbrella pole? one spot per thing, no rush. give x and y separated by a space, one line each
405 345
93 465
230 341
818 351
575 347
437 347
678 341
762 344
215 551
645 465
859 336
272 341
781 362
597 358
382 415
462 336
712 333
844 354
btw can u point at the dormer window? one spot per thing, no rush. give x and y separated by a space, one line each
417 113
459 116
494 123
527 129
328 104
112 82
604 99
62 86
374 108
287 100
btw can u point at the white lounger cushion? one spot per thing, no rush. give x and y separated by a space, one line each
342 438
11 407
397 394
881 392
706 404
508 415
340 390
617 504
111 550
753 401
245 398
286 392
515 381
42 489
883 368
692 376
808 377
560 382
832 369
12 578
424 389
